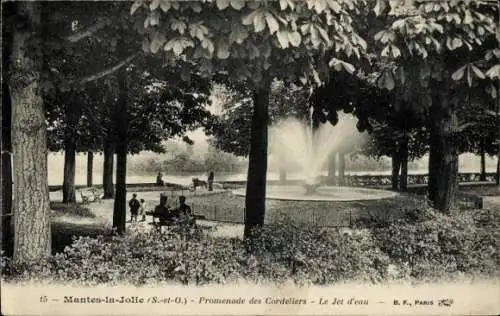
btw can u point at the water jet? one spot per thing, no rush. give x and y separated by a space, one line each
309 151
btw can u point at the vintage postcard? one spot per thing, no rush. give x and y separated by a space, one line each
265 157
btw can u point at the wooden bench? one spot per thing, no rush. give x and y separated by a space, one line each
96 194
161 223
85 198
90 195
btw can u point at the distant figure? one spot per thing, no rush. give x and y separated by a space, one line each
134 208
211 181
143 209
159 180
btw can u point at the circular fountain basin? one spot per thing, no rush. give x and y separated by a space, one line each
322 193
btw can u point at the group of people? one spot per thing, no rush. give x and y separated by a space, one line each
182 214
137 207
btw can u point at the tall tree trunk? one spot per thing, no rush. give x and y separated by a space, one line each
32 240
69 195
396 166
6 198
316 119
90 167
121 119
403 154
482 175
498 133
255 200
341 177
498 168
107 174
73 110
443 156
332 166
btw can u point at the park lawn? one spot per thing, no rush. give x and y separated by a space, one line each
229 207
224 206
73 220
483 190
95 218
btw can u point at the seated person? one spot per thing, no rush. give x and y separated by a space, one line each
162 211
183 212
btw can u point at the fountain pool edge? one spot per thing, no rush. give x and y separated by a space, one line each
330 194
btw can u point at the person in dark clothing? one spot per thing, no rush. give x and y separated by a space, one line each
184 213
134 207
159 180
183 207
210 181
162 211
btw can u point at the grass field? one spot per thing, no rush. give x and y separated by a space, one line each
231 208
96 218
484 190
225 207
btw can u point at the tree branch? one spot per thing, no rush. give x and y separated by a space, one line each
106 72
73 38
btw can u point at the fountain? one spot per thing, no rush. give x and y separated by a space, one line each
309 152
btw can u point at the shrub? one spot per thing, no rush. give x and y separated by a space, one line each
434 245
276 253
421 244
307 253
137 258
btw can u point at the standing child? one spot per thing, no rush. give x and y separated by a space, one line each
142 210
134 208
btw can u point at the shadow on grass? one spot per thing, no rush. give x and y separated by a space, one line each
63 233
484 190
73 209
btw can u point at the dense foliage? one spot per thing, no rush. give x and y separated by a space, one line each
424 245
429 244
436 58
232 133
183 161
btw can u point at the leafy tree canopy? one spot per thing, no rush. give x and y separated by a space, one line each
161 105
252 40
233 129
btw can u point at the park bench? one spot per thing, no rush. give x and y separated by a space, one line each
96 194
85 198
90 195
161 223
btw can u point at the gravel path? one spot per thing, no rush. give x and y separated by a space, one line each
491 202
104 215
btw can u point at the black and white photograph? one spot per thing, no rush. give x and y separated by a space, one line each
250 157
